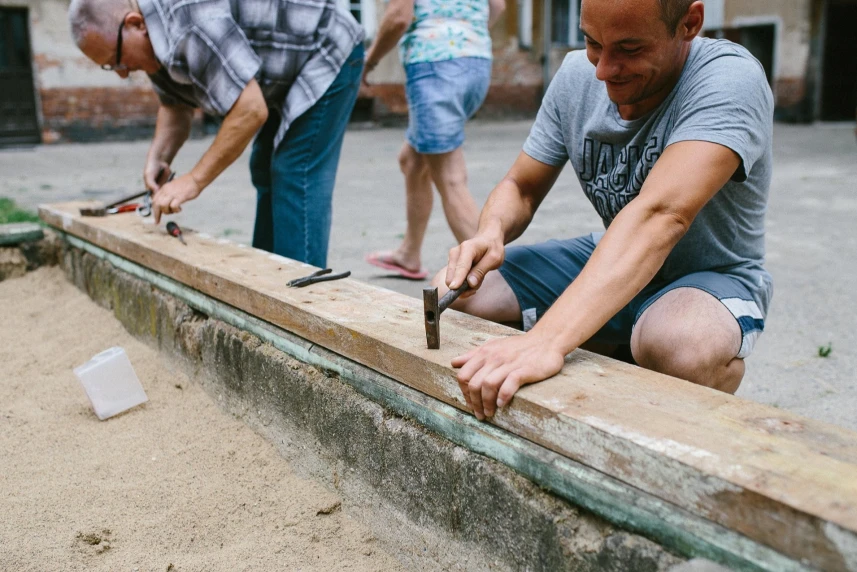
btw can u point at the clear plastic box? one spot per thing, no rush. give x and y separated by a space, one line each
110 383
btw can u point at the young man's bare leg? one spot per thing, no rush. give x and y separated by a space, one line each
688 333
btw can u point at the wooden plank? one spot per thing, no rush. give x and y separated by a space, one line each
17 232
787 482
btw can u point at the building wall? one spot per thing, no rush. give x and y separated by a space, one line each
516 77
79 100
792 19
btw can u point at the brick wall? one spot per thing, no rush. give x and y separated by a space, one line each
99 113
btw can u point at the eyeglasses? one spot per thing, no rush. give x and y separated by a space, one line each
117 66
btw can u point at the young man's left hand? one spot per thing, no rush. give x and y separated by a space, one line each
491 374
169 198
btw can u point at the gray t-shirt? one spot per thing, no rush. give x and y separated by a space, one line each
722 97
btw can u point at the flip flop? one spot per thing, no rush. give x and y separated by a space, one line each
383 260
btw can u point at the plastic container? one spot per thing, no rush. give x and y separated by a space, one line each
110 383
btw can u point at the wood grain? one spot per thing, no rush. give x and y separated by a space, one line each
782 480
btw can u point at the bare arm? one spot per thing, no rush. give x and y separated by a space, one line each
246 117
172 129
495 10
395 22
636 245
639 240
507 213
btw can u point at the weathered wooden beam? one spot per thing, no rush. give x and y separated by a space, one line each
786 482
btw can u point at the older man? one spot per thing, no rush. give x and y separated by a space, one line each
670 137
290 68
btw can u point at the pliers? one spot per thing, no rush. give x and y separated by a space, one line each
145 209
318 276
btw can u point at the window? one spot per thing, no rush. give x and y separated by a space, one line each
364 12
565 23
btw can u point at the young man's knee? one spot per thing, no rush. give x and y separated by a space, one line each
679 356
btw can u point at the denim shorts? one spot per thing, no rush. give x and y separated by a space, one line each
441 97
540 273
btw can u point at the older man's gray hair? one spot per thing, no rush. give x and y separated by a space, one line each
99 17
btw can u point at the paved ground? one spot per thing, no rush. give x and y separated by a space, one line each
812 240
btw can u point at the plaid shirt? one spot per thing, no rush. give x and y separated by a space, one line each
210 49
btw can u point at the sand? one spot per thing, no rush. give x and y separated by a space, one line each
172 485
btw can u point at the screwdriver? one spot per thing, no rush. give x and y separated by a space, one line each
175 231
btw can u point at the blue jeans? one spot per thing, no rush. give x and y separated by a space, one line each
294 182
441 97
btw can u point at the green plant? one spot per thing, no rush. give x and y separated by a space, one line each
824 351
9 212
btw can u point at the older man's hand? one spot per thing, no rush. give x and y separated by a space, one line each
169 198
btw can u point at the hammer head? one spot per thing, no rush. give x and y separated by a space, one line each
431 313
93 211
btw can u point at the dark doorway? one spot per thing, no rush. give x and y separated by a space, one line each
839 68
19 122
761 41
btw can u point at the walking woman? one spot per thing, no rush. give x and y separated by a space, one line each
446 50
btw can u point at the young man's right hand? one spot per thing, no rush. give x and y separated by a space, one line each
473 259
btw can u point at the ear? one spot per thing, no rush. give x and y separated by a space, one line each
691 24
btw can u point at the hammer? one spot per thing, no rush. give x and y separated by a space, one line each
432 309
103 211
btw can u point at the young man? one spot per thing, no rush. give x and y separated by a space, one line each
291 69
670 137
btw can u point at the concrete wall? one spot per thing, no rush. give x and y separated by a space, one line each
792 20
78 99
516 77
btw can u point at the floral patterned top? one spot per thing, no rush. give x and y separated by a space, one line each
445 30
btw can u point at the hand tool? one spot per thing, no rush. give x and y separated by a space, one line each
145 209
122 209
432 309
316 277
103 211
175 231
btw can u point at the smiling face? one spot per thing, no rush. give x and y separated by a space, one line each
633 51
137 52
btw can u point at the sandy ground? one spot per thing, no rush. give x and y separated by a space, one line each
172 485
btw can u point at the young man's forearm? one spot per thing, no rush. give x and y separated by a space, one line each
626 259
513 202
638 241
